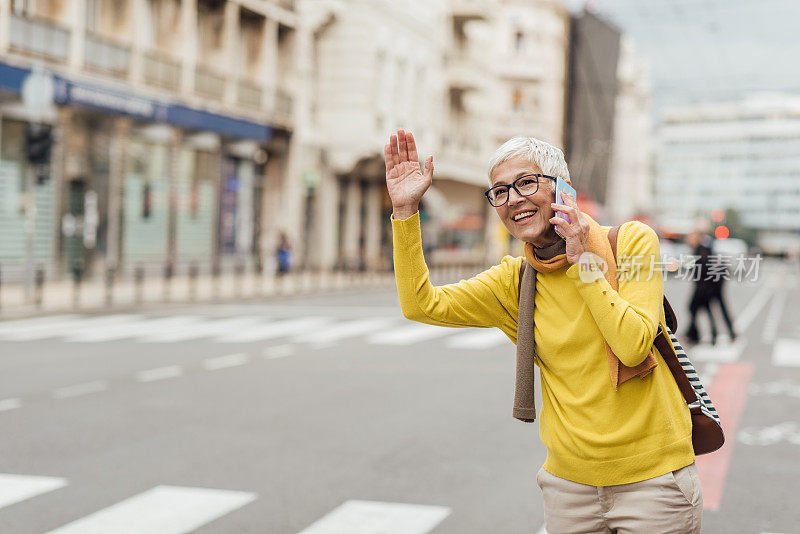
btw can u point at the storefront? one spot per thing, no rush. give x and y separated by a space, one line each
132 181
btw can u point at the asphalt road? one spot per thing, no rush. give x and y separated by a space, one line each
318 414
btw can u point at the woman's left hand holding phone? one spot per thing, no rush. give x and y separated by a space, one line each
575 232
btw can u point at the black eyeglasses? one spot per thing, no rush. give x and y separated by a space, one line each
526 186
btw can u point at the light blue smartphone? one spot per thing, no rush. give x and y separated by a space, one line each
562 185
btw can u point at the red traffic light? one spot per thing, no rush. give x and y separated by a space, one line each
717 215
722 232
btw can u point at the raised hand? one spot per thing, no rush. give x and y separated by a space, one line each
405 180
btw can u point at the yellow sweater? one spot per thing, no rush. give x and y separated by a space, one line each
593 434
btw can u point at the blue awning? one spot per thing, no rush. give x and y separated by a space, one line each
68 92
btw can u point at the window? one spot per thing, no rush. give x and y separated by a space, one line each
519 41
516 99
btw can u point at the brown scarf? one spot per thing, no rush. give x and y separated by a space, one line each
545 260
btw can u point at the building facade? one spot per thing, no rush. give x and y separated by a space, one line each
173 122
742 156
631 169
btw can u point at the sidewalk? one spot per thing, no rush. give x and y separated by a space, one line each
93 295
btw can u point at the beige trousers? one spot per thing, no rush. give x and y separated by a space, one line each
667 504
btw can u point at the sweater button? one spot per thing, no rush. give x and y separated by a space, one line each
604 292
612 302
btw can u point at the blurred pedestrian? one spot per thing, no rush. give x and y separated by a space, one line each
284 254
709 277
619 449
701 292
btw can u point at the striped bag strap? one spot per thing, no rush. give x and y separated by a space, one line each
706 406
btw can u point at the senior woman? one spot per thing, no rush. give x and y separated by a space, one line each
616 428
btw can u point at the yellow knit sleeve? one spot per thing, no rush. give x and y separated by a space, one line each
628 318
483 301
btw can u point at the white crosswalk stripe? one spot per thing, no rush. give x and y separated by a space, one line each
202 329
277 329
406 335
344 330
133 328
10 404
316 330
17 488
721 352
484 338
786 353
67 327
371 517
25 325
163 509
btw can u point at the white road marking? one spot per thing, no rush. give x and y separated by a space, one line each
26 325
163 509
786 353
10 404
133 328
278 351
770 435
772 389
203 329
289 327
344 330
223 362
17 488
774 316
80 389
753 308
69 327
160 373
371 517
406 335
480 339
729 352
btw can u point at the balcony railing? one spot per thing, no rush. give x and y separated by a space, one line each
39 37
249 94
209 83
162 71
106 56
283 103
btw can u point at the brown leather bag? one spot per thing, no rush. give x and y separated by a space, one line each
707 434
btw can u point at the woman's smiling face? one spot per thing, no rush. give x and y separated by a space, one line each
532 213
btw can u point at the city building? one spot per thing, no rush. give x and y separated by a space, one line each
631 169
739 156
172 130
529 54
366 69
609 124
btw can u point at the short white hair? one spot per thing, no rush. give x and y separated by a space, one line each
548 158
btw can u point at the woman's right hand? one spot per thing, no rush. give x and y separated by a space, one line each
405 180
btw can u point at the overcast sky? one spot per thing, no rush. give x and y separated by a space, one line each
711 49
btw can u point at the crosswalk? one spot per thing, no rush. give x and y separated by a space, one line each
318 330
162 509
322 331
166 509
